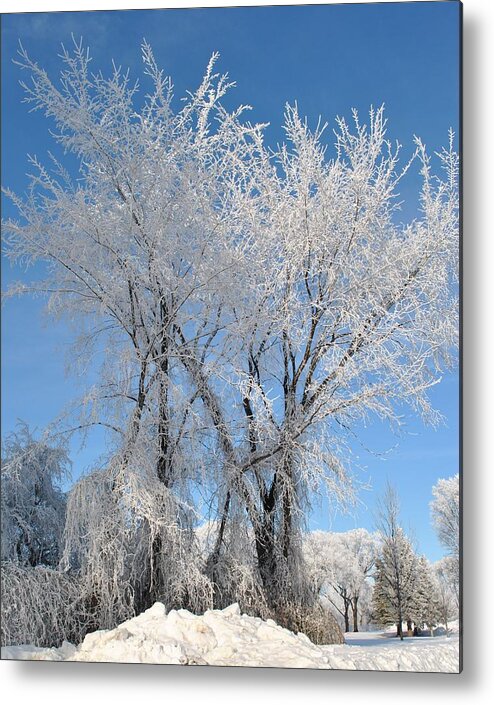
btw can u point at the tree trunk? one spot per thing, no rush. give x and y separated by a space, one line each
355 613
347 620
163 469
347 615
274 548
266 559
399 631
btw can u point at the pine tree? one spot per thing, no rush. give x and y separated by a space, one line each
427 608
396 577
396 581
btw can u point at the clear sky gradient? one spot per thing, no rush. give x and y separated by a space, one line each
329 59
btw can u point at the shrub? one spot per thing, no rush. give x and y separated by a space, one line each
40 606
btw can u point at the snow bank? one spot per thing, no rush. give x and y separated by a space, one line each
228 638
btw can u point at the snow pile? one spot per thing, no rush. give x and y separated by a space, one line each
228 638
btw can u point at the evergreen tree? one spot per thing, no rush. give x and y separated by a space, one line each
396 581
396 575
427 607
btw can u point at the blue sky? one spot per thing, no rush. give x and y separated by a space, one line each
329 58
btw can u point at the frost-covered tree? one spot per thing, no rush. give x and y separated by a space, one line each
445 512
248 306
397 572
396 582
361 548
340 565
446 590
353 314
41 606
134 250
33 502
427 604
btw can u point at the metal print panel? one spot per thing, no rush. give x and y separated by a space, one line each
240 434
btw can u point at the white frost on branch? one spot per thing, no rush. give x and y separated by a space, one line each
33 503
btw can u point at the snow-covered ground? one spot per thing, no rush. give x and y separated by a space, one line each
228 638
